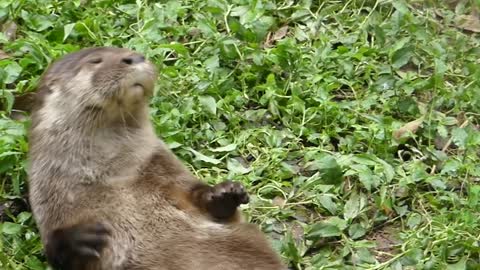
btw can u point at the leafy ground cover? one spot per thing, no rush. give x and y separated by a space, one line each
354 124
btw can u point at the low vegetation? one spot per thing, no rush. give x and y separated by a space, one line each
353 124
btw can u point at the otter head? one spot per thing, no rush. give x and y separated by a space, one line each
97 85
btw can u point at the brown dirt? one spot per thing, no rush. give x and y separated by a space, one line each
386 240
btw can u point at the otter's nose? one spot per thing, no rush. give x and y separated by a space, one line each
133 59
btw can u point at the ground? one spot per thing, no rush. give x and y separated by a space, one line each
353 124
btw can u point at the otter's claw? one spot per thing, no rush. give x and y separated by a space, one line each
223 199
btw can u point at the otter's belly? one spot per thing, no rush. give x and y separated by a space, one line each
158 234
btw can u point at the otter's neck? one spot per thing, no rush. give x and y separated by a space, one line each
87 152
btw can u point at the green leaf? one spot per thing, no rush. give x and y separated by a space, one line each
327 202
400 6
414 220
9 98
204 158
290 248
438 184
67 30
6 3
3 38
227 148
459 137
364 256
236 167
23 217
324 230
450 121
34 263
11 228
209 103
460 265
401 57
340 223
37 22
451 166
212 63
173 144
440 67
356 231
368 179
239 11
412 257
354 206
12 71
329 169
177 47
474 195
9 153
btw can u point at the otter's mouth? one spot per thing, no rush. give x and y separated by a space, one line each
139 87
145 87
140 81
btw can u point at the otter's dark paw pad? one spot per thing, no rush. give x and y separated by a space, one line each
68 246
229 191
224 198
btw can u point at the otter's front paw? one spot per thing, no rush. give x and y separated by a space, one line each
223 199
72 247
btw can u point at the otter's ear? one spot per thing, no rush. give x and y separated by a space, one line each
28 102
43 90
22 106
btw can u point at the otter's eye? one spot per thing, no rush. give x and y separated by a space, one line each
95 61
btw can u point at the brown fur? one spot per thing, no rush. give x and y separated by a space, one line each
99 175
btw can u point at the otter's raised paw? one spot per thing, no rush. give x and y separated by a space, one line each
69 248
223 199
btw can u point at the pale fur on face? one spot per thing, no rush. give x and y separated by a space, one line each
97 87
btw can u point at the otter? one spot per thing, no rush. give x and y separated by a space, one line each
107 193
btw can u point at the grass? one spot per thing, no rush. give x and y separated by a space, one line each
353 124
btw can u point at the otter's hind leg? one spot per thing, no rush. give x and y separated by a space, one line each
77 246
